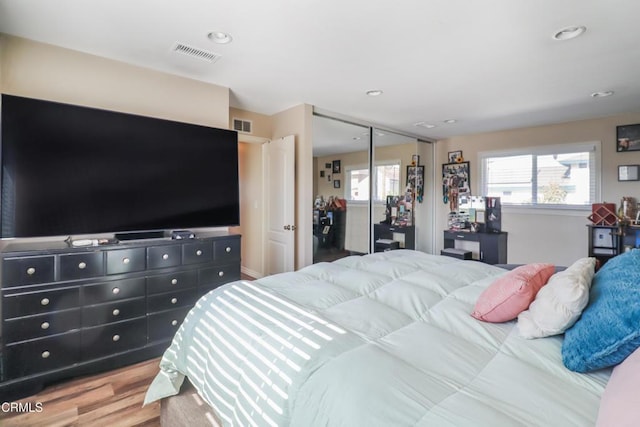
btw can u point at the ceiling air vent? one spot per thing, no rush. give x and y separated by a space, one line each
242 125
195 52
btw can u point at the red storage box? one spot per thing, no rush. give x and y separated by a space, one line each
603 214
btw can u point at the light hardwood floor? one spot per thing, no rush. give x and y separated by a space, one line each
111 399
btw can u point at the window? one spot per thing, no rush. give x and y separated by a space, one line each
551 176
386 182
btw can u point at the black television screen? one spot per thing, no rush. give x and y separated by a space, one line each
69 170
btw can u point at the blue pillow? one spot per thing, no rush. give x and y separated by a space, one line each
609 329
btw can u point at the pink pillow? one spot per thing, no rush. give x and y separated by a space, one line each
512 293
620 403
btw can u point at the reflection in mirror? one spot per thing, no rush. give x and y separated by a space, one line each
340 188
398 188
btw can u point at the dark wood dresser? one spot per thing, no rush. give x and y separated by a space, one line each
70 311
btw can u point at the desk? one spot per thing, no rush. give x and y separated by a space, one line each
493 246
386 231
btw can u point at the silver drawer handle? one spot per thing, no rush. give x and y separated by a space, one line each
198 252
31 271
44 301
82 265
228 249
45 325
126 260
220 273
174 322
115 291
115 312
174 281
116 338
165 256
174 300
45 354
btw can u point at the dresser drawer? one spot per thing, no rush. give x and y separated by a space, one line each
115 290
170 300
164 256
81 266
44 354
100 314
41 325
114 338
172 281
198 252
126 260
226 250
219 275
472 237
28 270
28 303
165 324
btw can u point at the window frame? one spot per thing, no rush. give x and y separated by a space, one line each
350 168
576 147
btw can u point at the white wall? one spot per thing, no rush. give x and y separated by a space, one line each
38 70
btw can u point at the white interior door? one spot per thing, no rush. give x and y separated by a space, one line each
279 185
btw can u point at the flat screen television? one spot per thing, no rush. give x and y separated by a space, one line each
70 170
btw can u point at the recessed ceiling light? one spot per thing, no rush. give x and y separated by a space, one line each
356 138
425 125
569 33
602 94
374 92
449 121
219 37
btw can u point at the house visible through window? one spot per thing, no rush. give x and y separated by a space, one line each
386 182
551 176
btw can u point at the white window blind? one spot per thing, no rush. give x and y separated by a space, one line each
553 176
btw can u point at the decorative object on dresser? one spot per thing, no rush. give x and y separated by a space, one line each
603 214
69 311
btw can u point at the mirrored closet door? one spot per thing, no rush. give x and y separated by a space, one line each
369 189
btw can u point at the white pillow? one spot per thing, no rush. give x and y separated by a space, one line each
558 305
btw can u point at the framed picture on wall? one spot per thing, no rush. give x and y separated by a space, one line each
327 165
455 181
628 138
336 166
455 156
336 183
628 173
415 176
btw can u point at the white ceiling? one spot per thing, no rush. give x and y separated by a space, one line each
490 65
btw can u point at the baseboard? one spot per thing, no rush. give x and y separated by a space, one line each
251 273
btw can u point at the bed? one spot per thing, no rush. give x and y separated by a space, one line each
384 339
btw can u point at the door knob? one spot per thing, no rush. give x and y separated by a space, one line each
287 227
